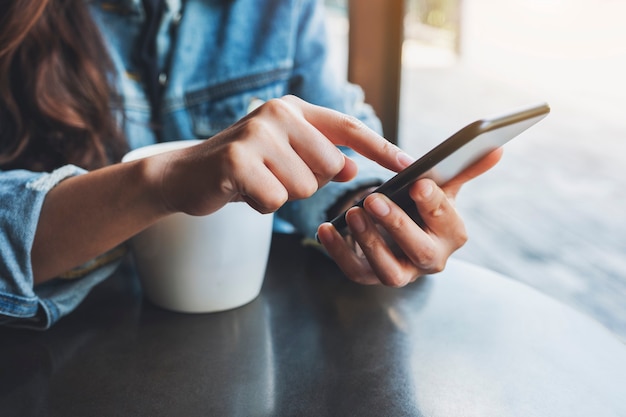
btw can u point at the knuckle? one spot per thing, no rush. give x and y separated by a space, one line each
438 266
305 188
266 199
460 238
387 147
394 278
274 200
351 123
334 162
367 242
234 156
427 258
264 210
436 208
312 186
395 223
290 98
325 175
278 108
438 211
258 128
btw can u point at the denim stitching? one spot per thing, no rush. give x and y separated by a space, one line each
15 306
230 87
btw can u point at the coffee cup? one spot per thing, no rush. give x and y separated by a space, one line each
202 264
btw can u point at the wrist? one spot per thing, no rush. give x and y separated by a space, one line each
152 176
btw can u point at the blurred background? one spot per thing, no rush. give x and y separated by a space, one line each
552 214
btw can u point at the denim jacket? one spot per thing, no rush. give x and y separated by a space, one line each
216 58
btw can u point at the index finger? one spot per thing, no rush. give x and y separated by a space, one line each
344 130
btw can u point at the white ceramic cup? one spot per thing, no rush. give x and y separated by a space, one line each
202 264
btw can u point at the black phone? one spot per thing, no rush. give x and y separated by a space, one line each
452 156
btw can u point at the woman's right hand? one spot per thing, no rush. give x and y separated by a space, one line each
284 150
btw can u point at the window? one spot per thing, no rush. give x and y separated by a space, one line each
551 214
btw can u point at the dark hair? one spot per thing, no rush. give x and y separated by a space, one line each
56 105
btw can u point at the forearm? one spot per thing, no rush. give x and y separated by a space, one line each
282 151
84 216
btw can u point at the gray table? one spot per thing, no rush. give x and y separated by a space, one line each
467 342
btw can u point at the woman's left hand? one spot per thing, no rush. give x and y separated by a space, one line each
391 248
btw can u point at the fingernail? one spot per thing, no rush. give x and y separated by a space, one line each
355 220
405 159
378 206
427 189
325 235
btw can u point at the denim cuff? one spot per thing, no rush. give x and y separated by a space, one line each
21 303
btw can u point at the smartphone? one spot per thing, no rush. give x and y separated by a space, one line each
452 156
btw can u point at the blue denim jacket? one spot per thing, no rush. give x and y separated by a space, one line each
216 58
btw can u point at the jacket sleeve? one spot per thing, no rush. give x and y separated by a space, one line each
316 79
22 194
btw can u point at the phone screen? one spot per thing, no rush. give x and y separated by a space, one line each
452 156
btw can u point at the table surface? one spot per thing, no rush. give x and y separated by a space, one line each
466 342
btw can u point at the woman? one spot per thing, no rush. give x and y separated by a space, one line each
82 82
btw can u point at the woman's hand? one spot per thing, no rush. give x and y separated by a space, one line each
393 249
284 150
